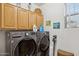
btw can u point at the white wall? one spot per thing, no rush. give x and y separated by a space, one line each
33 6
25 5
68 39
2 42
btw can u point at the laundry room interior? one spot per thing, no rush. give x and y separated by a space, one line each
39 29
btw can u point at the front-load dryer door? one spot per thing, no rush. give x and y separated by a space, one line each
44 43
26 47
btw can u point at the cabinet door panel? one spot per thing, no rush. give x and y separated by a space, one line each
22 18
32 19
39 20
10 16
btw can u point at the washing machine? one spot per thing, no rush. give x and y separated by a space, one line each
21 43
43 43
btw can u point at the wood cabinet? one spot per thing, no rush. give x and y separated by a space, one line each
14 17
35 19
8 18
22 17
39 20
32 19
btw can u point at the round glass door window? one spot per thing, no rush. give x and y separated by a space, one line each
44 43
25 48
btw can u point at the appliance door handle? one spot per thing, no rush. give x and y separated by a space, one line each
16 36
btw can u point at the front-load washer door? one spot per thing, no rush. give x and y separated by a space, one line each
26 47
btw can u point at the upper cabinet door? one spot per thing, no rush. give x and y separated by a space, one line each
39 20
22 18
32 19
9 16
